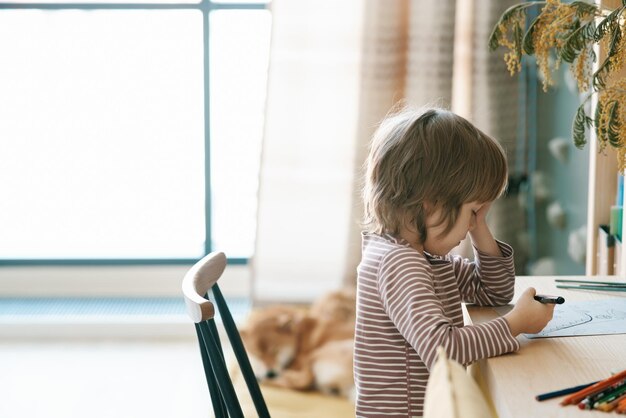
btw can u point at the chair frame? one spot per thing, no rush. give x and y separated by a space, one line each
201 278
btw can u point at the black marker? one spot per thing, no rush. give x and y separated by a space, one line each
549 299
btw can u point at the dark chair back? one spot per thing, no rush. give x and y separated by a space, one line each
201 278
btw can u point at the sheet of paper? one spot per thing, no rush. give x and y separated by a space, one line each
593 317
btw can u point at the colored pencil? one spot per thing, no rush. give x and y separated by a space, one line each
592 282
576 397
590 401
562 392
609 406
621 406
613 394
589 287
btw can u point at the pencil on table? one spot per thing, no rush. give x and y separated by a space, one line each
580 395
603 395
621 406
609 406
591 287
563 392
612 394
592 282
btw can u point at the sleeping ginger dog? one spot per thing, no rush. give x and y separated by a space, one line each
305 349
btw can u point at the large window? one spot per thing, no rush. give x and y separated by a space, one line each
130 132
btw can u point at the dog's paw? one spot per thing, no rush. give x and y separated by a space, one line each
293 379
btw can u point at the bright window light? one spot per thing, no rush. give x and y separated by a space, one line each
103 125
101 134
238 68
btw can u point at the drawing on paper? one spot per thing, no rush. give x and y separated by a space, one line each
595 317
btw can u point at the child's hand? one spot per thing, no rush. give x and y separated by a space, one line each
481 214
528 315
480 234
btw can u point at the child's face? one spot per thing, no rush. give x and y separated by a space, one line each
438 244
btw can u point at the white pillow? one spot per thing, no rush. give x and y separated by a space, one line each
452 393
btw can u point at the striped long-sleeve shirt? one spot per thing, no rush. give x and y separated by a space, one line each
408 304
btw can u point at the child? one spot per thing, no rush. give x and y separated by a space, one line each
431 177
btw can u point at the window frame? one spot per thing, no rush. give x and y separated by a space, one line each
205 7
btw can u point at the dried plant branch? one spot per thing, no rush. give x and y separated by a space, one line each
568 32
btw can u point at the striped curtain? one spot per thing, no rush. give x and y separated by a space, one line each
435 53
336 69
308 163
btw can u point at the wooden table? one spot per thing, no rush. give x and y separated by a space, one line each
547 364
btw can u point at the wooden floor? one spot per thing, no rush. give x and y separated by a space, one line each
127 378
98 362
96 378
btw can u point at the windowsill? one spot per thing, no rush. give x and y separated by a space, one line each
111 281
55 328
103 317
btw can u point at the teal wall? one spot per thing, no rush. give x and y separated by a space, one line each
567 181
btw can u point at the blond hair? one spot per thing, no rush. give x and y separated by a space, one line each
429 156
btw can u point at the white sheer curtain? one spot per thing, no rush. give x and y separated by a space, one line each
307 166
336 69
